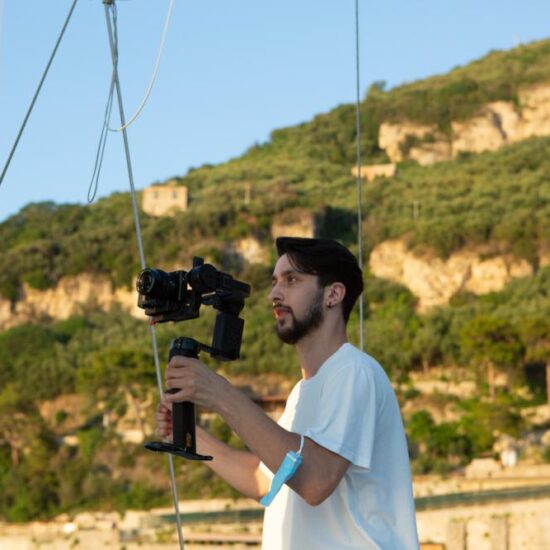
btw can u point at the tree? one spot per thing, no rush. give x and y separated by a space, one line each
428 340
390 330
491 343
118 375
19 421
535 333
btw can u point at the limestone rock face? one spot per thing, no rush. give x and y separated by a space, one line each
434 281
498 123
478 134
66 299
73 295
535 111
508 118
430 153
392 136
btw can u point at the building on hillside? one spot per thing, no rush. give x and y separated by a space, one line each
164 200
295 222
370 172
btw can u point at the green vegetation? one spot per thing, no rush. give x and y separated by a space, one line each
498 201
105 357
498 198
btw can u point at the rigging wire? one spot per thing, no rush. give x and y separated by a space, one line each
359 179
139 238
94 181
35 97
155 71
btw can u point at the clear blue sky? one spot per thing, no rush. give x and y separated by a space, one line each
231 72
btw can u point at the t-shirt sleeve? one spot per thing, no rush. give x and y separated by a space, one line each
346 422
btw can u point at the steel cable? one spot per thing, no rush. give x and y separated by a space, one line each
359 166
35 97
141 252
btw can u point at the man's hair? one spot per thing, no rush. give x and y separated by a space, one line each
329 260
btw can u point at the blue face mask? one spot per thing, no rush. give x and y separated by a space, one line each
286 470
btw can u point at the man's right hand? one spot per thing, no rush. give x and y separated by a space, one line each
164 421
239 468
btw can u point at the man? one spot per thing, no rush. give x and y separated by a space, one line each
353 489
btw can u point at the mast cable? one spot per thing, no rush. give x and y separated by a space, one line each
359 179
140 247
10 156
94 181
155 71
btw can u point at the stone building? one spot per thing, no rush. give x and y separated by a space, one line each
295 222
164 200
370 172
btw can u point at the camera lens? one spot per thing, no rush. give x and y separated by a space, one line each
151 283
159 285
145 281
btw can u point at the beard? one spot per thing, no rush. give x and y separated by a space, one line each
299 328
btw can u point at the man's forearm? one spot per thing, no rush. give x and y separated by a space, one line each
321 470
263 436
238 468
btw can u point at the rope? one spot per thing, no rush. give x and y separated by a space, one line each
155 71
359 180
141 254
10 156
94 182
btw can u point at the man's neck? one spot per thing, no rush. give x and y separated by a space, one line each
315 348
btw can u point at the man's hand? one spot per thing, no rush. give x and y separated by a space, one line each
239 468
164 421
195 382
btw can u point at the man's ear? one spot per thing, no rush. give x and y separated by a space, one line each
334 294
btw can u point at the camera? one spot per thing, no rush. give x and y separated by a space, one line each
178 296
167 296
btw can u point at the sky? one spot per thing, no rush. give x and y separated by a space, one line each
230 73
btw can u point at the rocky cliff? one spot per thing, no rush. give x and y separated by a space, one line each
71 296
496 124
434 281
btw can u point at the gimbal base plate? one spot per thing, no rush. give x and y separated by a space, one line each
161 447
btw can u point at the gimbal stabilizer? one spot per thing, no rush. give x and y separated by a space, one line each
177 296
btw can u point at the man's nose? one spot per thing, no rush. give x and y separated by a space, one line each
275 293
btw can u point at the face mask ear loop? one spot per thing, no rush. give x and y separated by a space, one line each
301 445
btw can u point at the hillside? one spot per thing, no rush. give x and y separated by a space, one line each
88 372
309 166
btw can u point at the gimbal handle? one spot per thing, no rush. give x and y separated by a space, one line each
183 413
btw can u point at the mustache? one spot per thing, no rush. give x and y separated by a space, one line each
281 307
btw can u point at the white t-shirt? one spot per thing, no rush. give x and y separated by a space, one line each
350 408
